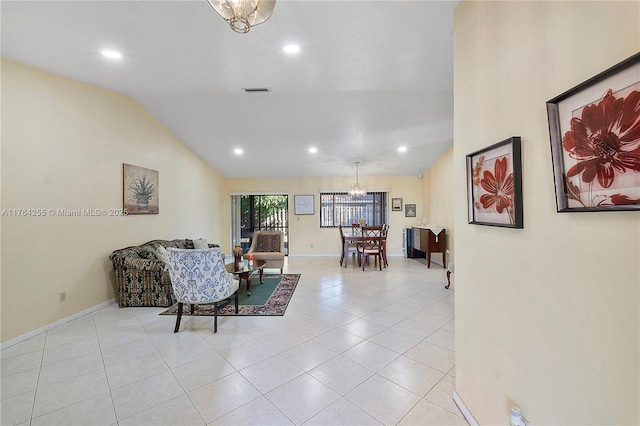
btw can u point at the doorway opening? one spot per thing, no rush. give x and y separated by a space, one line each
252 213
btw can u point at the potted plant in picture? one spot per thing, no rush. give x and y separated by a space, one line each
143 191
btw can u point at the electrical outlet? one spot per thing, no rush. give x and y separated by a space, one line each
63 296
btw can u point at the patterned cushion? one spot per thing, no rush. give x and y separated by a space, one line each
147 253
199 276
268 243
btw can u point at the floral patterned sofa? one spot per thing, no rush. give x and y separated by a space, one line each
143 279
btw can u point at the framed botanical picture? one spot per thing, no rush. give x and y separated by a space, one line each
494 185
303 204
141 190
595 141
409 210
396 204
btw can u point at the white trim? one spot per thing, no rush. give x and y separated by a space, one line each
53 325
464 410
260 193
346 190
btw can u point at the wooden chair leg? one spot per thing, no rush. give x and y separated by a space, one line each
448 280
215 317
236 303
192 308
179 317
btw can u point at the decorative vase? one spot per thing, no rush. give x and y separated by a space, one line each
237 254
143 202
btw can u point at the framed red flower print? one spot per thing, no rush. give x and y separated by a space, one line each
494 185
595 141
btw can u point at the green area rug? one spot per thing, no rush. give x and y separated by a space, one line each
270 298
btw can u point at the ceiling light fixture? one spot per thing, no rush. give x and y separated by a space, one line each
237 151
243 14
402 149
357 190
291 48
111 54
313 150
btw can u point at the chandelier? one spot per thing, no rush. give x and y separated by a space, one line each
243 14
357 190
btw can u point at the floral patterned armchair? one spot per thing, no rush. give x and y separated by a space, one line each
199 277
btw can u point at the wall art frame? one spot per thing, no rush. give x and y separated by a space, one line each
409 210
141 188
594 129
494 185
396 204
303 204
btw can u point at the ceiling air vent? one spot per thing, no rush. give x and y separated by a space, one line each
257 89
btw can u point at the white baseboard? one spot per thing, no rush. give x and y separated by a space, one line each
58 323
464 410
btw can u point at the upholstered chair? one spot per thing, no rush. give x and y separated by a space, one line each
198 277
268 246
141 273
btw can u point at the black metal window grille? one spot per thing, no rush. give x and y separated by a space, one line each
340 208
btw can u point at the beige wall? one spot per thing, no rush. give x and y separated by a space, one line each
437 194
63 145
547 317
305 230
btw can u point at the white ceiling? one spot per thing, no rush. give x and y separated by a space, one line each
371 76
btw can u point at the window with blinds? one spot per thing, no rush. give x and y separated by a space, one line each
340 208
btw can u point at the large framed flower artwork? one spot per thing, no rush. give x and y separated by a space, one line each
595 141
494 185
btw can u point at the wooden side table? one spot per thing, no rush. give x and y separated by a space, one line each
242 273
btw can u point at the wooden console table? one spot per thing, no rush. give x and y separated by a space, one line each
425 240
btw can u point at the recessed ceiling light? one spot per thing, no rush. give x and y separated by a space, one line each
291 48
402 149
237 151
313 150
111 54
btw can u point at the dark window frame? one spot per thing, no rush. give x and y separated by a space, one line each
339 208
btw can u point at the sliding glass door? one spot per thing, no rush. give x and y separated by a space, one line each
252 213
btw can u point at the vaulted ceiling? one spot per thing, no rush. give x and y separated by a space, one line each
370 77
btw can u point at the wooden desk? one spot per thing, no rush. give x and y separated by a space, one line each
426 241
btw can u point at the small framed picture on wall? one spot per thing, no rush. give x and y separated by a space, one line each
396 204
409 210
303 204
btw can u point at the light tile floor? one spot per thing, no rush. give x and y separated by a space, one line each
354 348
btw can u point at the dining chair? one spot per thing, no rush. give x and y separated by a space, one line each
371 246
351 248
198 277
383 233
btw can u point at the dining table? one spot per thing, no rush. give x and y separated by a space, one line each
354 237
